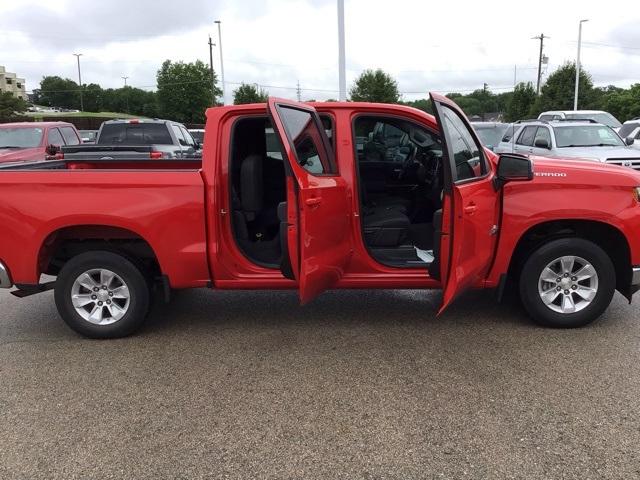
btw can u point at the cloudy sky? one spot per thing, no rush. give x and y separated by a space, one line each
425 45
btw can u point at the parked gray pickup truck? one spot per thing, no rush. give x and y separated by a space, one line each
137 139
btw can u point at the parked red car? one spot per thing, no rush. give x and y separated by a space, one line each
320 196
28 141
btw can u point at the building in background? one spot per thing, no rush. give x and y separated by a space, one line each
9 82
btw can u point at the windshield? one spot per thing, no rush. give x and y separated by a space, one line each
586 136
604 118
134 134
20 137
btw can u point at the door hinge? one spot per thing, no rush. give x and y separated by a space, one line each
493 230
223 211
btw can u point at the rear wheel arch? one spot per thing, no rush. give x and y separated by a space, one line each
605 235
67 242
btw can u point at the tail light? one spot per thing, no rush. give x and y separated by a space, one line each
135 120
155 154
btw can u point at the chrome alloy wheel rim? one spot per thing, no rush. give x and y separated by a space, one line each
568 284
100 296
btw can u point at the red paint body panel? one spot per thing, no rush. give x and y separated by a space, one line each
183 213
164 208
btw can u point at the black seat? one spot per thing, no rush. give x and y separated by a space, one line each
256 227
385 228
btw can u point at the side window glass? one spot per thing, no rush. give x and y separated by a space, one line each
178 134
55 138
467 156
70 136
543 134
526 137
305 137
187 137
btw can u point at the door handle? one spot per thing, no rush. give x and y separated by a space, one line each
470 208
312 202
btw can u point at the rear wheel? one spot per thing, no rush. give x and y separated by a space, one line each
567 283
102 295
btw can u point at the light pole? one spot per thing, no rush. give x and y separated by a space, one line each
78 55
126 92
575 97
224 90
342 78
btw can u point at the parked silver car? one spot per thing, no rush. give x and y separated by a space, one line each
569 139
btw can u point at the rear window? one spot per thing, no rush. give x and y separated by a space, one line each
134 134
20 137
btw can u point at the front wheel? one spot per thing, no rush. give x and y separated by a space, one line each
102 295
567 283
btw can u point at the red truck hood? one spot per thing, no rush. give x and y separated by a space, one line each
585 172
21 154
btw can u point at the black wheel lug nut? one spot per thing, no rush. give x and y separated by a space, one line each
566 292
93 297
100 304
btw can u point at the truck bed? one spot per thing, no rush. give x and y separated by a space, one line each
160 202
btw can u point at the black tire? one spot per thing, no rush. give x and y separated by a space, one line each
129 273
547 253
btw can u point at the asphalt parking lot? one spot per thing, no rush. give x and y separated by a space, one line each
359 384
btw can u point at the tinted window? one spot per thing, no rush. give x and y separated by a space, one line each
467 157
543 134
70 136
197 135
604 118
20 137
527 135
134 134
305 137
55 138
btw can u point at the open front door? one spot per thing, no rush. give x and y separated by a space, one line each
316 218
470 205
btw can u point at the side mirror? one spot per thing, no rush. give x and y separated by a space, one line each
513 168
542 143
52 150
629 140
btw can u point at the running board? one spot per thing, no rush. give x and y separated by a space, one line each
28 290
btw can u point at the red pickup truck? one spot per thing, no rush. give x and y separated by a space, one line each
321 196
31 141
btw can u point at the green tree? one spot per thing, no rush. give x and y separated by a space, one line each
375 86
247 93
624 104
558 91
423 104
184 91
10 105
519 106
59 92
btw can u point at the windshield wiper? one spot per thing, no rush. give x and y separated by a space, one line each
591 145
10 146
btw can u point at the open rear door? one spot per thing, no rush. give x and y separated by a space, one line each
470 204
316 219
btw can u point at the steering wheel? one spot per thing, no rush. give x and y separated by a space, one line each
409 162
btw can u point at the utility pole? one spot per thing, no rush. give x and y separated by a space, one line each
541 37
213 78
78 55
126 93
342 78
575 95
298 91
224 90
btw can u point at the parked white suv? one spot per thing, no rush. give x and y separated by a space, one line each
597 115
569 139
